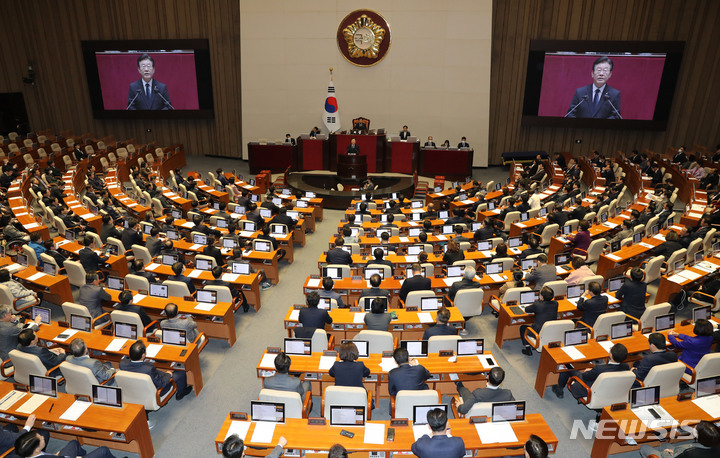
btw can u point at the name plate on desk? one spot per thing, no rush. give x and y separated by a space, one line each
273 350
338 327
399 422
318 421
292 324
311 376
355 309
355 326
413 326
446 353
239 416
411 309
397 327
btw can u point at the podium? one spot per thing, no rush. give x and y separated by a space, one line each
352 167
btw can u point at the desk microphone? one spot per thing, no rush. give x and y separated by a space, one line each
607 97
157 91
585 97
137 93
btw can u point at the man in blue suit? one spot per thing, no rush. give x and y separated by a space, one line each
438 443
406 376
597 100
148 93
161 379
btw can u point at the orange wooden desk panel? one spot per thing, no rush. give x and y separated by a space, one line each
56 288
666 287
98 423
97 342
116 265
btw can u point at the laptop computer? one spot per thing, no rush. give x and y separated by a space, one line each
707 386
46 386
576 337
203 264
484 245
174 336
370 271
415 348
50 269
80 322
205 296
493 268
663 322
159 290
574 291
701 313
108 396
200 239
172 234
645 396
43 312
420 412
301 347
262 246
240 267
347 416
528 297
332 272
615 283
125 330
621 330
170 259
528 264
514 242
430 304
267 411
467 347
508 411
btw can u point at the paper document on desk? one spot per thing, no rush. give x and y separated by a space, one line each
520 224
246 234
14 267
10 399
573 300
697 208
31 225
420 430
646 245
411 259
499 432
195 273
613 257
188 224
497 278
62 242
514 251
66 334
230 277
359 317
264 431
204 306
36 276
268 361
450 280
412 223
611 299
295 315
326 362
116 344
152 266
138 297
659 237
486 253
679 279
33 403
607 345
152 350
405 239
374 433
388 364
689 274
425 317
75 410
313 283
240 428
665 420
610 224
710 404
441 237
695 215
485 363
573 352
559 270
706 266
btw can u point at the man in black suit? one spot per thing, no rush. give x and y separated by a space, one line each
178 269
440 328
592 304
680 157
374 289
597 100
353 149
404 133
438 443
337 255
148 93
311 316
90 260
463 143
314 132
204 228
669 246
467 282
491 393
545 310
161 379
378 259
138 269
289 139
49 358
415 283
429 143
658 355
213 251
108 229
131 235
217 273
707 445
125 297
487 231
32 444
92 295
279 216
632 294
656 174
409 375
618 355
10 433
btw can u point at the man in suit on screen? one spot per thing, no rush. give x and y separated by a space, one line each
597 100
148 93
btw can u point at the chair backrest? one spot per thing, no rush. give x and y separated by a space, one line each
369 299
507 263
513 294
573 223
595 250
693 248
464 263
679 255
205 257
60 225
26 364
343 396
128 317
653 268
611 388
354 247
47 259
554 331
118 243
587 280
137 389
75 272
31 255
78 379
387 270
604 323
142 253
647 320
548 233
137 283
667 376
378 341
707 240
708 366
406 400
71 308
177 288
438 343
480 409
469 302
319 341
428 268
27 157
559 287
291 399
223 292
413 298
510 218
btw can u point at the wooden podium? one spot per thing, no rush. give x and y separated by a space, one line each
352 167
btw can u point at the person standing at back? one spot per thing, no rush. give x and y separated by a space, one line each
632 294
545 310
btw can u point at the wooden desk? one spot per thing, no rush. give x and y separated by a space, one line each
115 265
668 287
56 289
302 436
98 423
115 189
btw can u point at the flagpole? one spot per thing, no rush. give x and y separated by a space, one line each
331 74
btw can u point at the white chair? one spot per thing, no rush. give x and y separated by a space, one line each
597 278
479 409
552 331
512 294
71 308
559 287
346 396
507 263
378 341
510 218
319 342
6 297
442 343
707 240
224 295
97 241
469 302
387 270
594 251
428 268
139 389
26 364
177 288
652 268
367 299
78 379
708 366
573 224
413 298
295 406
403 403
75 272
647 320
465 263
608 389
547 234
118 244
204 257
137 283
679 255
132 318
693 248
47 259
60 226
667 376
142 253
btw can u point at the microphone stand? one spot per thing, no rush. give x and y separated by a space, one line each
607 97
575 107
157 91
137 93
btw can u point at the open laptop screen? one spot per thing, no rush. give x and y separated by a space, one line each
43 385
576 337
415 348
347 415
80 322
470 347
647 396
508 411
125 330
708 386
110 396
298 346
420 412
664 322
174 336
621 330
267 411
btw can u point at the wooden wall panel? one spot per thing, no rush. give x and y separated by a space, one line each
49 32
693 118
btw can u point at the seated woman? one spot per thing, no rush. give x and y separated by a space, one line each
515 282
453 253
693 347
581 239
348 371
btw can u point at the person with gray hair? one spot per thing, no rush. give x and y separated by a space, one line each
92 295
79 356
25 296
10 327
467 282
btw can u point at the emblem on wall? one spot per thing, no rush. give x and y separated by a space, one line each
363 37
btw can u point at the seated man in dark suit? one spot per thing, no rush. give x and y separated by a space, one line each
178 268
131 235
283 381
169 248
125 297
543 273
592 304
90 260
374 289
33 443
337 255
467 282
311 316
378 255
669 246
49 358
438 444
545 309
9 434
204 228
429 143
415 283
279 216
707 445
487 231
441 328
491 393
138 268
213 251
409 375
659 354
108 229
160 378
92 295
328 293
217 272
533 247
618 355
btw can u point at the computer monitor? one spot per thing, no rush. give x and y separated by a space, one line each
576 337
22 259
431 304
109 396
562 259
332 272
301 204
206 296
267 411
637 238
574 291
116 283
170 259
443 214
655 229
702 313
543 211
70 234
716 247
279 229
382 231
566 230
111 250
670 221
524 216
699 256
203 264
493 268
177 214
498 186
415 348
240 267
172 234
80 322
621 330
467 347
615 246
663 322
346 249
528 297
491 206
707 386
414 250
277 201
262 246
370 271
414 231
615 283
125 330
159 290
174 336
455 271
508 411
438 189
228 243
301 347
420 412
43 312
603 217
347 415
409 273
363 347
514 242
475 226
527 264
249 226
266 213
369 302
147 228
679 265
484 245
462 196
645 396
293 214
416 204
309 194
222 223
46 386
200 239
50 269
447 229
